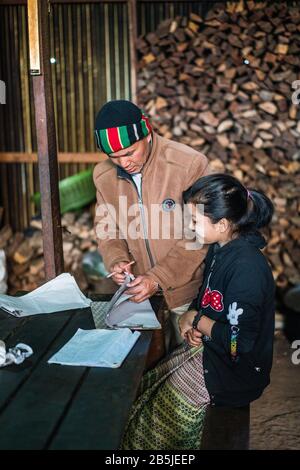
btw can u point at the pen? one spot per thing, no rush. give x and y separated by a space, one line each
111 274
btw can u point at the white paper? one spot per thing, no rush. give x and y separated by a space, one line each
96 348
61 293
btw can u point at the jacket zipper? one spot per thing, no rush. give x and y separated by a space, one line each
141 206
210 270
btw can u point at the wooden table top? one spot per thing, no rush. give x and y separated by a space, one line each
48 406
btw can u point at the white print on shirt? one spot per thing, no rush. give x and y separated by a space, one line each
234 313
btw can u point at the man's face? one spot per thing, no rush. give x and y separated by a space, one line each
133 158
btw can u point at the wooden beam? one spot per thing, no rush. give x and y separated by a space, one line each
63 157
132 46
24 2
46 142
34 40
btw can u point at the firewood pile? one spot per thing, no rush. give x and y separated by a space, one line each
24 251
224 86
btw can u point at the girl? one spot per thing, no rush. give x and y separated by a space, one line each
229 328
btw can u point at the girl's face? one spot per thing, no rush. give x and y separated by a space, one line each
207 232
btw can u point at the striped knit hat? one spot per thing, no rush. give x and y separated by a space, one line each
119 124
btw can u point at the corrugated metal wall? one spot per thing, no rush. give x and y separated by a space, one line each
90 46
16 118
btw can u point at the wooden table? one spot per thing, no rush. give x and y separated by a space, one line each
48 406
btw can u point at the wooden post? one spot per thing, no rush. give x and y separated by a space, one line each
132 46
38 22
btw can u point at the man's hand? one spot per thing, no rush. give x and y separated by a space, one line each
142 287
120 269
185 322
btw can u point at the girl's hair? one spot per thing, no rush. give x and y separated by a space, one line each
223 196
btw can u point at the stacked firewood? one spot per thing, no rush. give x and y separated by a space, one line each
225 85
24 251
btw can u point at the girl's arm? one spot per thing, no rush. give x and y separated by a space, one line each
205 325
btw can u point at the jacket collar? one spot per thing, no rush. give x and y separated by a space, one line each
121 173
154 149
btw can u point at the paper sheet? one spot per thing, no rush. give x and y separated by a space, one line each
61 293
96 348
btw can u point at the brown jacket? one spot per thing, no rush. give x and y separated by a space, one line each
170 169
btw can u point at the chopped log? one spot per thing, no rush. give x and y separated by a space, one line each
16 240
268 107
209 118
36 266
225 126
24 252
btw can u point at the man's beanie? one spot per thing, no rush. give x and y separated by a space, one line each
120 124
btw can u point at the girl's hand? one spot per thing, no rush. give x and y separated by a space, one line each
185 322
194 337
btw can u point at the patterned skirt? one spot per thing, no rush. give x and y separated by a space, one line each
170 409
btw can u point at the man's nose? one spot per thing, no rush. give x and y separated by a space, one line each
124 162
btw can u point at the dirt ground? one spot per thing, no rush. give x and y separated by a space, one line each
275 417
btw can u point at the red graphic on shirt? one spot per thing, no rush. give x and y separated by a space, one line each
214 298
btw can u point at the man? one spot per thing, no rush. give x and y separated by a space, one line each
148 171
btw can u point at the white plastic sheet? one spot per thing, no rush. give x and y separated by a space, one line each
59 294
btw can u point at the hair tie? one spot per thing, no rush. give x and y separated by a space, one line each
249 195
